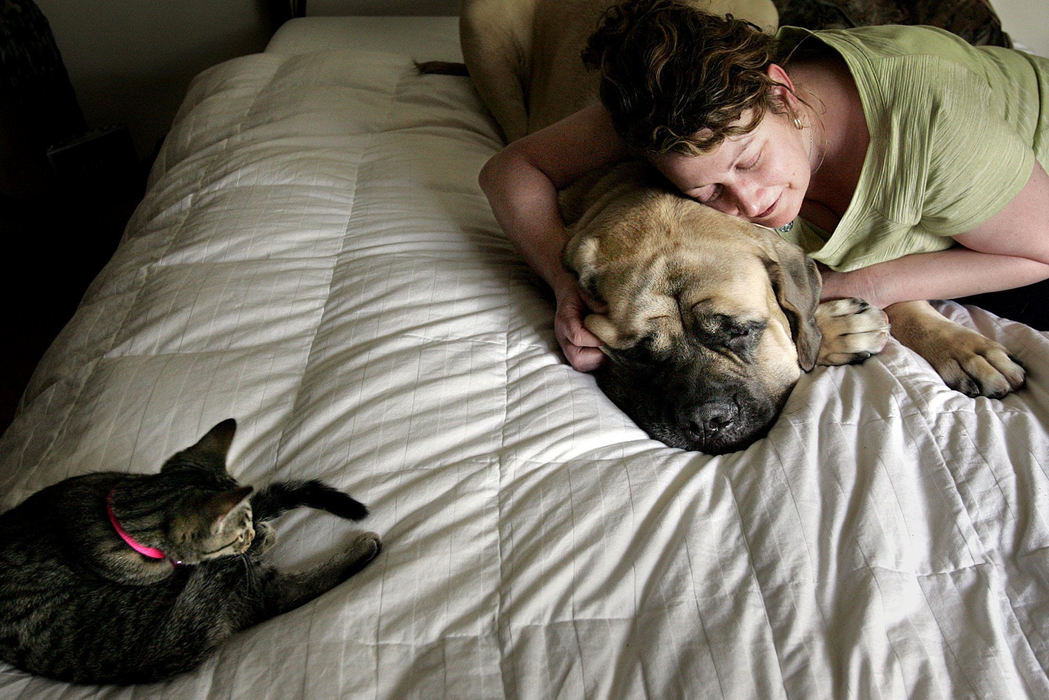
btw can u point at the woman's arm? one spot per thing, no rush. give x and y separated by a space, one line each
1010 249
521 184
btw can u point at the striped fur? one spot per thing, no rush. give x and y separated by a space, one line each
78 604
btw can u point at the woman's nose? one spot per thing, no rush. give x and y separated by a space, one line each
747 200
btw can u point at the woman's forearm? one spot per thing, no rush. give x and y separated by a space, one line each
524 202
948 274
522 180
1008 250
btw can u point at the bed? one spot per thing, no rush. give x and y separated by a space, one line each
314 258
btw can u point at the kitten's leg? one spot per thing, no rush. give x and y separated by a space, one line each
277 498
287 591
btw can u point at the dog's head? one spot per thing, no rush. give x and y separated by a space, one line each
710 320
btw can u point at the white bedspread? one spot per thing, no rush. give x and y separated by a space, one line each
315 259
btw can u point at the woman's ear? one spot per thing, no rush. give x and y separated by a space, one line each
778 74
784 88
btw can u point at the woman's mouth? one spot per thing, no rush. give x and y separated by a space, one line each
764 216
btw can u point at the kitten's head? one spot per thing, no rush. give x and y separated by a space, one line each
210 514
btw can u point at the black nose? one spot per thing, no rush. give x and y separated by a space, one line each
711 421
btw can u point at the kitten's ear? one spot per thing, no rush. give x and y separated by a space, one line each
210 450
220 505
217 440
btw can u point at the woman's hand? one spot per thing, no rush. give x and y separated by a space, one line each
582 348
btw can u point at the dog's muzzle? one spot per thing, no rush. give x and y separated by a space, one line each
692 406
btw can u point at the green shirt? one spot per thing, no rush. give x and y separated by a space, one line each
954 134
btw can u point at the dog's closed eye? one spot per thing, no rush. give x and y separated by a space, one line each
724 331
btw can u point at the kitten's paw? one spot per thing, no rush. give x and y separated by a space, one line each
852 329
364 548
265 538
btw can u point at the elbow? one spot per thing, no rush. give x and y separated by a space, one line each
492 172
484 178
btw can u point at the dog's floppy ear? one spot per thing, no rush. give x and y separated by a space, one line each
797 284
580 257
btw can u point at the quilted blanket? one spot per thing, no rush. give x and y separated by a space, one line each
314 258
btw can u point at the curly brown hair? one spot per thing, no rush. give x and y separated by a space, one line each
675 78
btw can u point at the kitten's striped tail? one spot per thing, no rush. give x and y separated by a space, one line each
283 496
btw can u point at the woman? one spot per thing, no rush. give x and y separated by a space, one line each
911 165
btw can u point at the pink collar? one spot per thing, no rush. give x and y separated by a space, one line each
151 552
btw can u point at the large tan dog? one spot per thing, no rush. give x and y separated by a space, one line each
710 320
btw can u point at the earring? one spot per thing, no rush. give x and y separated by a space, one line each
797 122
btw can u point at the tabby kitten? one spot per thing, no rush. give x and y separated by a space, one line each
130 578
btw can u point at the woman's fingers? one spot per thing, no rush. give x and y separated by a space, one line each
582 348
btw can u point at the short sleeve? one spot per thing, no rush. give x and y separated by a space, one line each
977 161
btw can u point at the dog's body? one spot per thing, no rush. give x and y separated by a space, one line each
710 319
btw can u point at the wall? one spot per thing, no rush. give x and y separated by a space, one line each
130 61
1026 21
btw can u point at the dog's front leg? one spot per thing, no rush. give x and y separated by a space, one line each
966 360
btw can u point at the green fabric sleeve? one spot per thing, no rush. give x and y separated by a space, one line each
977 161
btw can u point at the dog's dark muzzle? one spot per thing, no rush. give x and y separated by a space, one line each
725 423
694 405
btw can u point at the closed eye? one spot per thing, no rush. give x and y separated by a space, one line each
751 163
225 546
708 194
743 337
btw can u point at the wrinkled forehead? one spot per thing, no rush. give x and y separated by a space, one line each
702 296
725 272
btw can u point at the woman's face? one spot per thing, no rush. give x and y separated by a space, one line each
760 176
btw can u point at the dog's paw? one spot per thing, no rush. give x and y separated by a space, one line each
977 366
852 330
